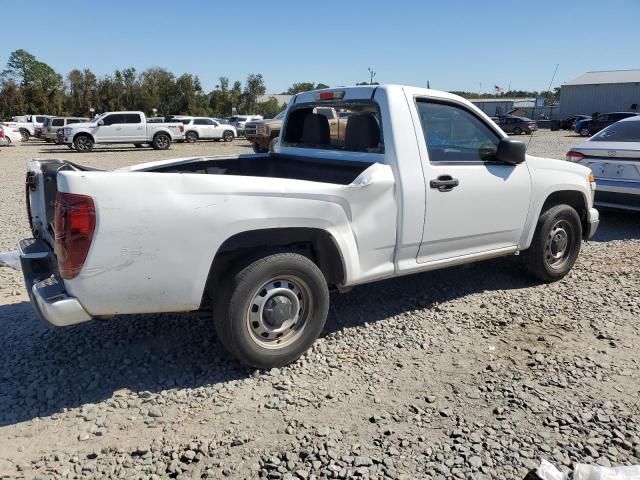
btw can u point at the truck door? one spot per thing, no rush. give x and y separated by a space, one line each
133 130
110 129
474 204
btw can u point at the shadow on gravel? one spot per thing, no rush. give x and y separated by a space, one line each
617 225
47 370
44 371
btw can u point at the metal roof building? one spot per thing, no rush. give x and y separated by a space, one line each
604 91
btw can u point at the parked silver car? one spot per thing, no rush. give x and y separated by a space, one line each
613 155
52 125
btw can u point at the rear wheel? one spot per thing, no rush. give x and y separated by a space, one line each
227 136
517 131
191 137
555 245
272 310
83 143
161 141
584 132
25 134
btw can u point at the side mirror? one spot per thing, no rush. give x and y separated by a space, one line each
511 151
100 123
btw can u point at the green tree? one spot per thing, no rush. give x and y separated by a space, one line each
253 88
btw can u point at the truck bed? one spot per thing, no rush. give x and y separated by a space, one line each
274 166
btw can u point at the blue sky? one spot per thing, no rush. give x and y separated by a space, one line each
455 44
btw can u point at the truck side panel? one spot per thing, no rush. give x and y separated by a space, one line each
165 245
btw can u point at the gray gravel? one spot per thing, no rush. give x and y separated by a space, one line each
471 372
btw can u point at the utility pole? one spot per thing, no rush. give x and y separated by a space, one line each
372 75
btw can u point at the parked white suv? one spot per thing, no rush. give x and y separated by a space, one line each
204 128
52 125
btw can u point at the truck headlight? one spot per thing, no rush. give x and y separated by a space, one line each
67 131
261 130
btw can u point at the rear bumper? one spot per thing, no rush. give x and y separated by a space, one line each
45 287
618 194
593 221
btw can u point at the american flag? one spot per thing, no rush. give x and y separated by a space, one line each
498 89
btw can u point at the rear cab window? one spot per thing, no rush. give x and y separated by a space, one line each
57 122
340 125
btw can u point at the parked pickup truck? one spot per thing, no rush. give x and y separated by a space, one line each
263 134
122 127
421 180
29 125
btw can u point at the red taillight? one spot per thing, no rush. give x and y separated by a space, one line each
181 128
74 226
335 95
1 133
574 156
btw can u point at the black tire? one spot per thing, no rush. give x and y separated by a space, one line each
191 137
161 141
83 143
517 131
25 134
253 318
272 144
584 132
227 136
258 149
556 244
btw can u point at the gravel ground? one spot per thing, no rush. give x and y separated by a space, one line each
472 372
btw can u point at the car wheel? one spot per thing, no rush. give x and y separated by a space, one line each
83 143
161 141
258 149
584 132
517 131
272 310
227 136
556 244
25 135
191 137
272 144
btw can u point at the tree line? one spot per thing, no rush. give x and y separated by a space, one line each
29 86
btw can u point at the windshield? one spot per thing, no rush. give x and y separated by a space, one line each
280 116
98 118
619 132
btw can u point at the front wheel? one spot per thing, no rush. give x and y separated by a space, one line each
517 131
83 143
555 245
272 310
584 132
257 148
161 141
227 136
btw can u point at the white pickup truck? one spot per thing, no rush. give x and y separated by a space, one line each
121 127
28 125
421 180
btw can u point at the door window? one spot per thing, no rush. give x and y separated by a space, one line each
132 118
453 134
114 119
57 122
202 121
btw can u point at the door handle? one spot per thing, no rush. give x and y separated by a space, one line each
444 183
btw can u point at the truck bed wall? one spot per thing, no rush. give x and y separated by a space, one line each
276 166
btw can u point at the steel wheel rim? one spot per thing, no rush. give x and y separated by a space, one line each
278 312
559 244
162 141
191 137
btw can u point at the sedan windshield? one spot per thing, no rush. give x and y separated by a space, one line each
619 132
